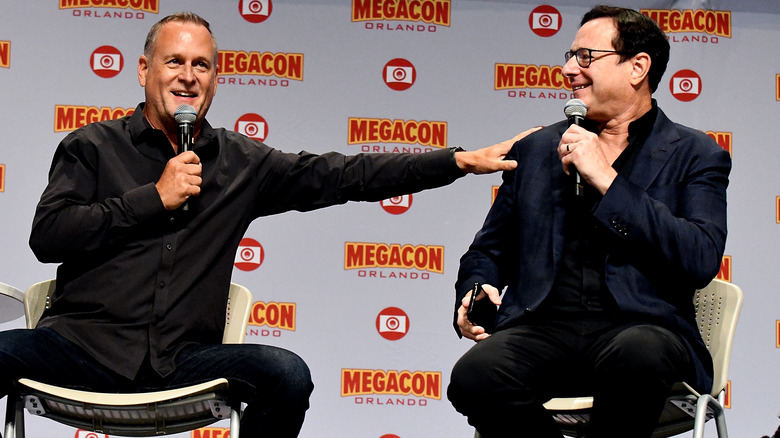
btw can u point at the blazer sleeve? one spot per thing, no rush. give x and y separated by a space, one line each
677 223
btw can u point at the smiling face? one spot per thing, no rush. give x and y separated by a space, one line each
180 69
606 86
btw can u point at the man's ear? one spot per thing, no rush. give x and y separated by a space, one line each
143 67
640 68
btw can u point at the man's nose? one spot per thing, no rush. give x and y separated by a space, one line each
187 74
571 67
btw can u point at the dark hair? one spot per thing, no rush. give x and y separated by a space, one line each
636 33
181 17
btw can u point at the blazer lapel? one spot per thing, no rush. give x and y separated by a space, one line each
558 185
654 154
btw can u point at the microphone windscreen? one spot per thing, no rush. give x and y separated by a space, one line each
185 114
575 107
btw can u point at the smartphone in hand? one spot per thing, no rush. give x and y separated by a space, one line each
481 312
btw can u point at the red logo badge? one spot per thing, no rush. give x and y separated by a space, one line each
545 21
399 74
106 61
253 126
87 434
250 255
255 11
398 204
685 85
392 323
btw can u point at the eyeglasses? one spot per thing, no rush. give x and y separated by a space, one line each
585 56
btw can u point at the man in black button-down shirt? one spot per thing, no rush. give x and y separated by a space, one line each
142 284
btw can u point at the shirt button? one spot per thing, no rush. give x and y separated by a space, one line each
162 284
168 246
173 220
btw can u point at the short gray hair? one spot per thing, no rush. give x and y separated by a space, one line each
181 17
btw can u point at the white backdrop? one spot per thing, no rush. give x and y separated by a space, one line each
66 62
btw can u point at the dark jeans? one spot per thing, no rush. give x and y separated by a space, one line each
501 383
273 382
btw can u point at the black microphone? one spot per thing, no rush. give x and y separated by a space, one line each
185 116
575 111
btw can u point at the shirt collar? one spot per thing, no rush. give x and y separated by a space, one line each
141 130
638 131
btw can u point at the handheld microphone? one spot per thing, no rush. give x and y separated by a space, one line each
575 111
185 116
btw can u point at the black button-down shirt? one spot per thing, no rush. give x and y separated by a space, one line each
580 285
138 281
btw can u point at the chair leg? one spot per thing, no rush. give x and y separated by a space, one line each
10 417
700 419
14 417
235 422
720 422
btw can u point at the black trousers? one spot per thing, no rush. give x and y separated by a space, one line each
275 383
501 383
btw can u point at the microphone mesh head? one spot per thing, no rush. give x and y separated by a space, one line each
575 107
185 114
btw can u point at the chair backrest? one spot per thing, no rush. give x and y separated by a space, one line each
239 306
717 310
37 298
7 289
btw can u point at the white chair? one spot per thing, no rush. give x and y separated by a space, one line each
138 414
717 309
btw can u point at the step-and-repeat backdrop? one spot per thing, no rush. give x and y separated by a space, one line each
339 286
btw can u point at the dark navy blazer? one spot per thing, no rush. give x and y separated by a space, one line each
667 222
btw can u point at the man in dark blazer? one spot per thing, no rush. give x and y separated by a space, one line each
599 284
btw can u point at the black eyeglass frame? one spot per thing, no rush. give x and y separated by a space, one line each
574 54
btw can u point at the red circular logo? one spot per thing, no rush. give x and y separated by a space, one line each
545 21
392 323
87 434
253 126
106 61
397 204
250 255
685 85
255 11
399 74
